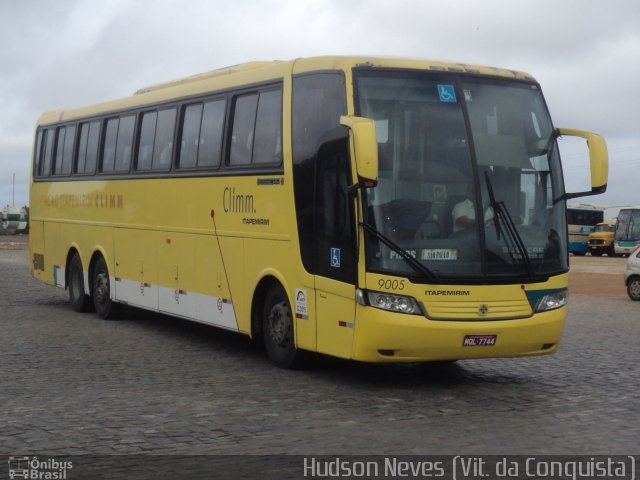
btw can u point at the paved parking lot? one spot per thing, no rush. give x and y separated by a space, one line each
73 384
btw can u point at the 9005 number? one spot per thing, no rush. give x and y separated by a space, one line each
389 284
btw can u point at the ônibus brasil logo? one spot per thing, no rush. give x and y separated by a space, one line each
32 468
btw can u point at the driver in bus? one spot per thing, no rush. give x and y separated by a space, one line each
463 214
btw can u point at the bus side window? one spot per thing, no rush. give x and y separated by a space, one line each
267 143
163 145
147 139
92 148
189 144
211 133
48 152
65 138
109 149
82 148
244 116
124 144
57 166
37 158
67 153
256 137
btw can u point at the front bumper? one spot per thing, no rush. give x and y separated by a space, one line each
383 336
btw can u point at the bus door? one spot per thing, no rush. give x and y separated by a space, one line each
335 250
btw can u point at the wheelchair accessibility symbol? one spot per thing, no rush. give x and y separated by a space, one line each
335 257
447 93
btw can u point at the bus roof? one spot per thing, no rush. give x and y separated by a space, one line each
254 72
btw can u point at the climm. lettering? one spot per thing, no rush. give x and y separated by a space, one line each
233 202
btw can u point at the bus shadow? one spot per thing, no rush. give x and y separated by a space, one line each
194 333
316 367
416 375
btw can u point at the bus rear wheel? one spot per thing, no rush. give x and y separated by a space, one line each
105 307
78 298
277 329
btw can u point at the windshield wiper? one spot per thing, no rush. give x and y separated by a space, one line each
493 204
406 256
502 216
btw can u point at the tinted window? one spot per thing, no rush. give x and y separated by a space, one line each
92 147
211 133
57 167
584 217
244 118
321 175
67 155
190 136
256 134
202 134
147 138
82 148
109 149
37 157
64 150
124 145
163 145
266 146
48 151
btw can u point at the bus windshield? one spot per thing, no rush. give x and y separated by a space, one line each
452 150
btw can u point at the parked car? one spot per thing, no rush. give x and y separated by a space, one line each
632 275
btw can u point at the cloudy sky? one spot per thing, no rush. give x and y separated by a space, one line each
68 53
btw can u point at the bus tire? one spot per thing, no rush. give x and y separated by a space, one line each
277 329
633 288
78 298
101 290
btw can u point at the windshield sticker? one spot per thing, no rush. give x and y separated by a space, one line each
428 254
447 93
439 254
467 95
335 257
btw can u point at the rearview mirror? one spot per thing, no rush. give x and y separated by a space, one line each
364 147
598 161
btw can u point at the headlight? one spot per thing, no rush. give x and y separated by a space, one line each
389 301
551 301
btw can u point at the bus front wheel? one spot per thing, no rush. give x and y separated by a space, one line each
105 307
277 329
78 298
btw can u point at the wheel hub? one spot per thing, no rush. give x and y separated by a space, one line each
279 324
102 287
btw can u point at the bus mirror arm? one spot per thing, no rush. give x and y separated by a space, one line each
569 196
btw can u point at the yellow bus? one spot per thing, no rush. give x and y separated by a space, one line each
325 204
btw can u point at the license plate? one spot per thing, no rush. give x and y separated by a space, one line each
479 340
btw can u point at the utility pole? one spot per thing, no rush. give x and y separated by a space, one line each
13 198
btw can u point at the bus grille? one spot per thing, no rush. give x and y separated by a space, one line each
478 310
